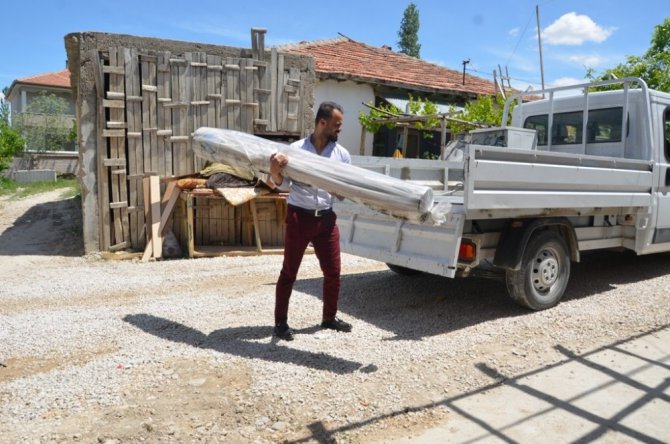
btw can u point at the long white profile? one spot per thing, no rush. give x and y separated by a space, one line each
378 191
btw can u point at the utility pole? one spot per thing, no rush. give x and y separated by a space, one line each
539 42
465 62
504 77
499 86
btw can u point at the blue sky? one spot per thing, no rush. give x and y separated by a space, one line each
575 34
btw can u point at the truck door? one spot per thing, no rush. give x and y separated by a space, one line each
662 232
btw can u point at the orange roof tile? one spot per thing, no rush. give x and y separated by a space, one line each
59 78
343 57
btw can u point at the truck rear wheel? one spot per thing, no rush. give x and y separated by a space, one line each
544 273
402 270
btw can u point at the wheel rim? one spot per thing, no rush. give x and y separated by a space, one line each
545 271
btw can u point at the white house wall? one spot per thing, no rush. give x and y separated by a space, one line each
351 96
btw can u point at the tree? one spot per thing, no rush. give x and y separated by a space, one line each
45 124
417 107
484 110
11 143
653 66
4 106
409 32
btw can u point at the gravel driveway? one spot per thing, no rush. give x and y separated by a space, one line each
182 350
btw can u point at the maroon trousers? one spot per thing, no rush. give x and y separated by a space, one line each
301 229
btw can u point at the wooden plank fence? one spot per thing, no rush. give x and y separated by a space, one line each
149 104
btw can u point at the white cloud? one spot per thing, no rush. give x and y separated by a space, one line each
566 81
574 29
563 81
514 32
589 61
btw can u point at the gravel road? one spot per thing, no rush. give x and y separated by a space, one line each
182 350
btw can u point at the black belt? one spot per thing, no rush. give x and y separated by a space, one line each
315 213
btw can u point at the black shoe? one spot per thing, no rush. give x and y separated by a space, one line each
337 324
283 331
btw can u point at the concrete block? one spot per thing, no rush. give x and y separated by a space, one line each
28 176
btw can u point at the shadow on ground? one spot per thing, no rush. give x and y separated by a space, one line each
242 341
46 229
531 407
431 305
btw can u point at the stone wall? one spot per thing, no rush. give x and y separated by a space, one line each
65 163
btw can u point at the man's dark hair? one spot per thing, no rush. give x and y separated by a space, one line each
326 111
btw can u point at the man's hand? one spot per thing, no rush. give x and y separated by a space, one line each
277 163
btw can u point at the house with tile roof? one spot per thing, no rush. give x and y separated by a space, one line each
24 91
353 73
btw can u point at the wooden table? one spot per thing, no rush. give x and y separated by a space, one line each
252 230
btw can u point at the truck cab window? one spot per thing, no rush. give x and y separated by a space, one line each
539 124
666 126
567 128
604 125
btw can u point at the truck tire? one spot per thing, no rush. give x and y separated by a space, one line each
402 270
544 273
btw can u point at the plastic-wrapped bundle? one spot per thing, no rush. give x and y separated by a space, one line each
375 190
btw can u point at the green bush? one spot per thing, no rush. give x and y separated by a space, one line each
11 144
485 110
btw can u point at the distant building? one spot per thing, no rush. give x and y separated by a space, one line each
352 73
23 92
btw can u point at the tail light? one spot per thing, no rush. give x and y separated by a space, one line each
467 251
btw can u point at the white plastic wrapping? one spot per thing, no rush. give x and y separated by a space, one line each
380 192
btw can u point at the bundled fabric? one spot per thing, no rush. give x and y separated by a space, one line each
212 168
225 180
378 191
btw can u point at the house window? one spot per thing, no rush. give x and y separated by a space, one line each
412 148
65 105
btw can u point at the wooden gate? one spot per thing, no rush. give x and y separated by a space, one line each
149 104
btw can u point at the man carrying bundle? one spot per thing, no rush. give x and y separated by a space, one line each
310 218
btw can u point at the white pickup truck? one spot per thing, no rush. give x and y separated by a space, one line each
572 173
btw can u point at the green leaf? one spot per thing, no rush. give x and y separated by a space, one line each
653 66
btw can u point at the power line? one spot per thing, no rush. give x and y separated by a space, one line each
520 37
488 74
